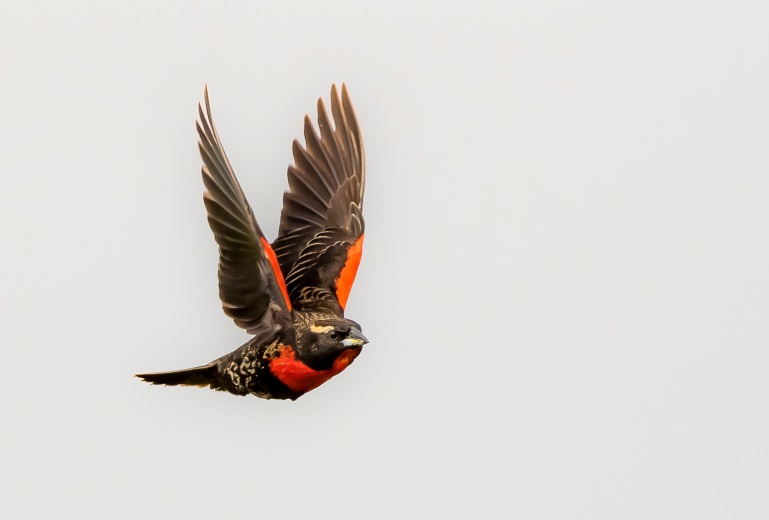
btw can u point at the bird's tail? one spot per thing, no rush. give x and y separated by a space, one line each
199 376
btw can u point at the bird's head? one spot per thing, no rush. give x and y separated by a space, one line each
326 339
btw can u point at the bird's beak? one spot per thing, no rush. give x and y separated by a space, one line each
355 338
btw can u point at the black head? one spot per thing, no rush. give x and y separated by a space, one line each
327 338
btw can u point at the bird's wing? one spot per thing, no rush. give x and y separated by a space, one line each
250 280
320 240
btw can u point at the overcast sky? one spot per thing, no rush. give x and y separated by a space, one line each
564 281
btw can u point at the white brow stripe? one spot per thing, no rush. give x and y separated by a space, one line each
322 329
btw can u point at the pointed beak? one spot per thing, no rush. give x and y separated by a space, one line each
355 338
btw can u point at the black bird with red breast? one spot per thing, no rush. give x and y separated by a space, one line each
291 294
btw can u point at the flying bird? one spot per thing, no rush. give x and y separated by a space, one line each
291 294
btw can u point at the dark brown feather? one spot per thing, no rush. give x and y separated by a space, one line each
247 284
322 210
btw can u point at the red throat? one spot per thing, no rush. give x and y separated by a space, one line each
299 377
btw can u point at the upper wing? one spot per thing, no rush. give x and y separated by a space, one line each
321 227
250 279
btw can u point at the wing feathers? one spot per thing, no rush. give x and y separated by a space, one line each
321 225
248 282
322 169
316 149
328 144
322 211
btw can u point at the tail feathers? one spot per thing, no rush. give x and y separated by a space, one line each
198 376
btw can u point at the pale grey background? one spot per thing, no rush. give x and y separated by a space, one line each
565 277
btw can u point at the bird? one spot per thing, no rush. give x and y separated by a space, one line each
289 295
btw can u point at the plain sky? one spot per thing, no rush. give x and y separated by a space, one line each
565 279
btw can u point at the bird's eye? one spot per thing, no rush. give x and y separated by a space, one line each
335 336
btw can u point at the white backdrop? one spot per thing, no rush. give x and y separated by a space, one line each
564 283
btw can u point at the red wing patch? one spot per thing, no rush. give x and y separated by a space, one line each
299 377
276 269
348 272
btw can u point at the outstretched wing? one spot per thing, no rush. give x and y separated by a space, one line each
321 227
250 280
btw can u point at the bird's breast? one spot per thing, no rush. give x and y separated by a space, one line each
299 377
